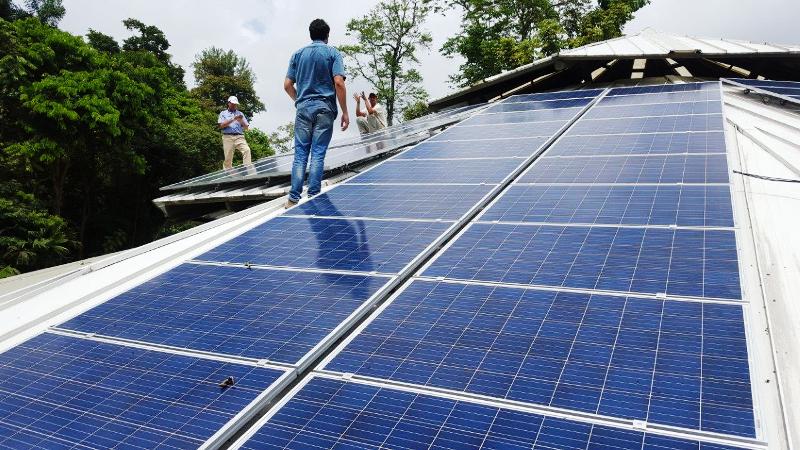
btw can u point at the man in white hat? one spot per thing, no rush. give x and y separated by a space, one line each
233 125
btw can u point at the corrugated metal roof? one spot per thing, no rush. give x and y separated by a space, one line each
647 44
651 43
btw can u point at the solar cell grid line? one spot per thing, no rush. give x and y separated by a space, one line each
469 149
549 96
694 263
661 109
685 205
668 362
784 90
639 144
364 245
670 97
636 125
60 391
665 88
513 130
395 201
562 114
330 413
278 315
507 107
682 168
438 172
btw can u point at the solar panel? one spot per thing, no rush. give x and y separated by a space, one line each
784 90
601 111
540 115
659 124
508 106
498 131
500 148
458 171
328 413
547 96
395 201
639 144
667 89
623 357
278 315
683 168
678 262
338 244
687 205
64 392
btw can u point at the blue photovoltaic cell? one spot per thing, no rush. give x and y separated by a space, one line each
696 263
278 315
708 206
662 109
634 125
639 144
785 88
395 201
498 131
533 106
442 171
561 115
362 245
665 89
64 392
547 96
498 148
329 413
694 168
667 362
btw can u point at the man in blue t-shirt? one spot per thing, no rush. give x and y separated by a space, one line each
315 81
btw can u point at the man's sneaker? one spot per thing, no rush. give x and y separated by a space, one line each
289 204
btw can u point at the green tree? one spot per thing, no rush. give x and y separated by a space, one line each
415 110
49 12
499 35
219 74
102 42
30 237
385 52
152 40
94 134
282 139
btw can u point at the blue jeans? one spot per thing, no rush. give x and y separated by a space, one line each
313 128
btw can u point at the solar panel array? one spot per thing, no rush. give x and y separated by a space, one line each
787 91
595 303
147 368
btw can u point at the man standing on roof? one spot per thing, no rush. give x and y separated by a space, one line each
233 124
315 81
375 117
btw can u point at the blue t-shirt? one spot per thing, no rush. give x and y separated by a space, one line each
312 68
234 127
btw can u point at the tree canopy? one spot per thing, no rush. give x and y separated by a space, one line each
499 35
220 74
385 53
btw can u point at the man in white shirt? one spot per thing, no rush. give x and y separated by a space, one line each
233 125
374 118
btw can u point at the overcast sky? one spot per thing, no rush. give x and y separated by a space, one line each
267 32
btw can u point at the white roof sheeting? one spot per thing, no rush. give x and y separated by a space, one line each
652 43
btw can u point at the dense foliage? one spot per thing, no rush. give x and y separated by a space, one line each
499 35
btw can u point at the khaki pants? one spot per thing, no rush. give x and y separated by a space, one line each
368 124
231 142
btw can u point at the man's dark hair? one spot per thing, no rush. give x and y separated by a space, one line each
319 30
372 95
